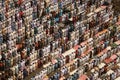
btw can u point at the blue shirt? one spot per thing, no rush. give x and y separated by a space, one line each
61 13
60 5
1 39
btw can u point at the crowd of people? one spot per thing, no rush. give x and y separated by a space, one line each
59 40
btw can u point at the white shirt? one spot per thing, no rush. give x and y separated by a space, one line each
22 64
70 57
44 51
10 79
42 4
48 48
56 43
36 77
0 57
76 42
60 50
39 76
27 5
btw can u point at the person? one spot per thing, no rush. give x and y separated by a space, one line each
33 78
25 73
79 51
1 38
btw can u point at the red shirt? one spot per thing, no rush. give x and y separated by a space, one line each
19 2
1 64
21 14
